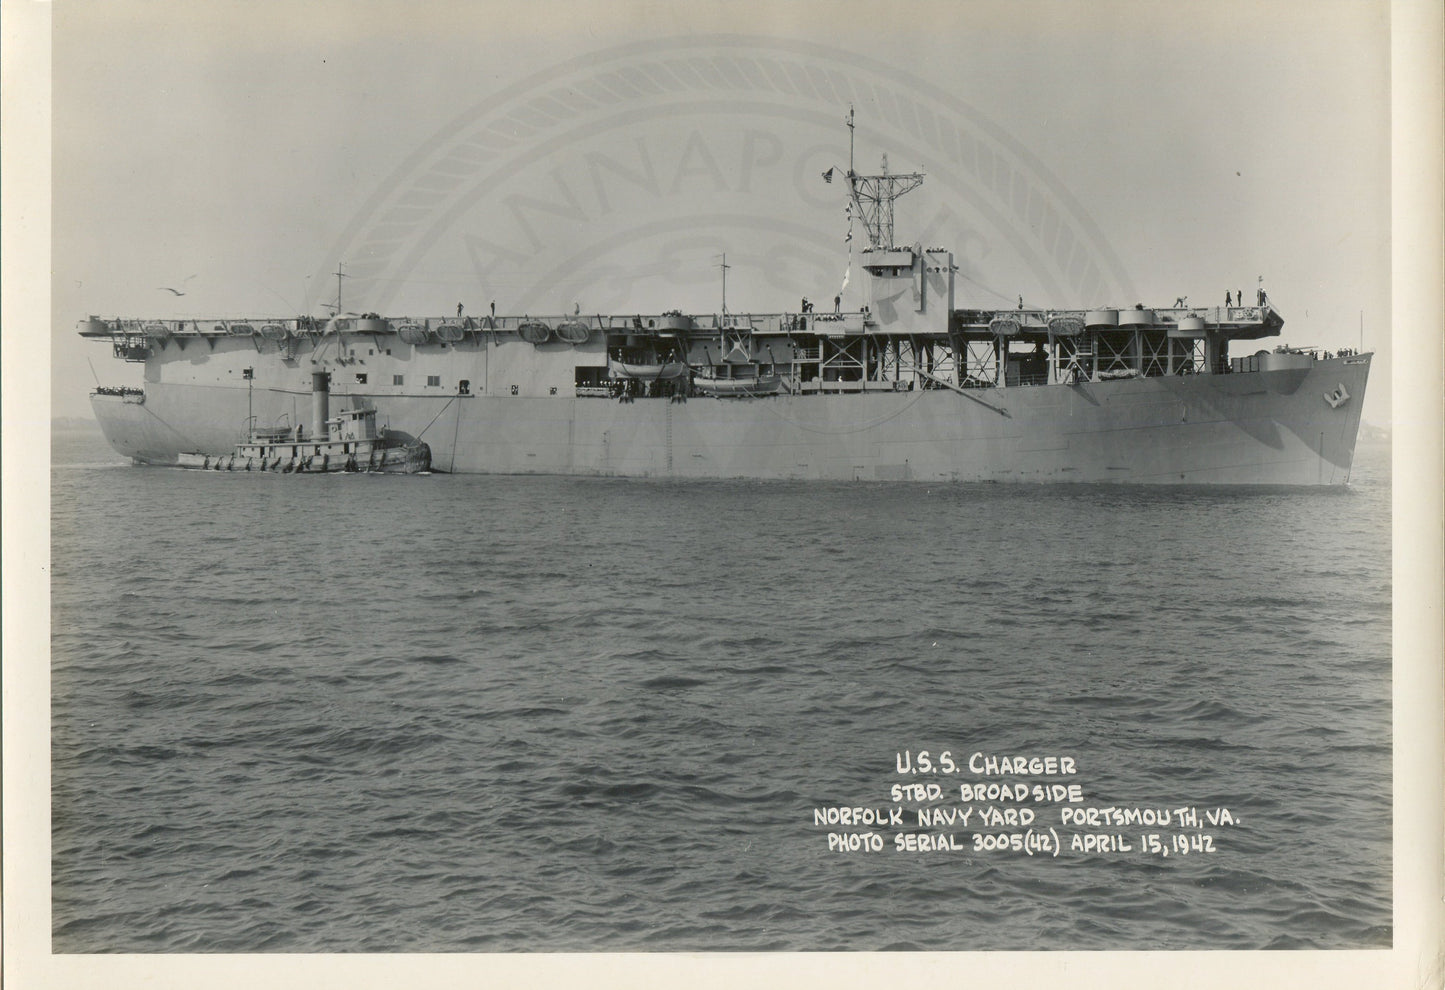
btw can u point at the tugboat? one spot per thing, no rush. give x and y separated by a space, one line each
352 443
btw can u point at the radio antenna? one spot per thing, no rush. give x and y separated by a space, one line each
873 195
724 266
339 276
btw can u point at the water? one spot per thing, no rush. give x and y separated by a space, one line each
548 714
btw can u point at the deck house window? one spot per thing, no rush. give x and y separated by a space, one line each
398 379
433 379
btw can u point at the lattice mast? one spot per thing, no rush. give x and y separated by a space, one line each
873 195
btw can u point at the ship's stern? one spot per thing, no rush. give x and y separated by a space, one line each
130 429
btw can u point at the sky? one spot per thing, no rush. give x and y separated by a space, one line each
549 157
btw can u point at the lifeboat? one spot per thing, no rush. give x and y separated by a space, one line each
1004 326
737 386
646 372
413 333
573 332
534 331
451 332
157 331
273 331
1066 326
240 330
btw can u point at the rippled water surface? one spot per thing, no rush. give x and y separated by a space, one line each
524 713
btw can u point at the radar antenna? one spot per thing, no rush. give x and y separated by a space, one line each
873 195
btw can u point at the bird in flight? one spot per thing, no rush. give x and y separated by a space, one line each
167 288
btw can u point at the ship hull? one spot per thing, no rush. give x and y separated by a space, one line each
1286 427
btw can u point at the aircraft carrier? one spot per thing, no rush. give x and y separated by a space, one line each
910 386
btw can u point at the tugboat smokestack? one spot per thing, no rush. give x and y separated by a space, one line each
320 401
